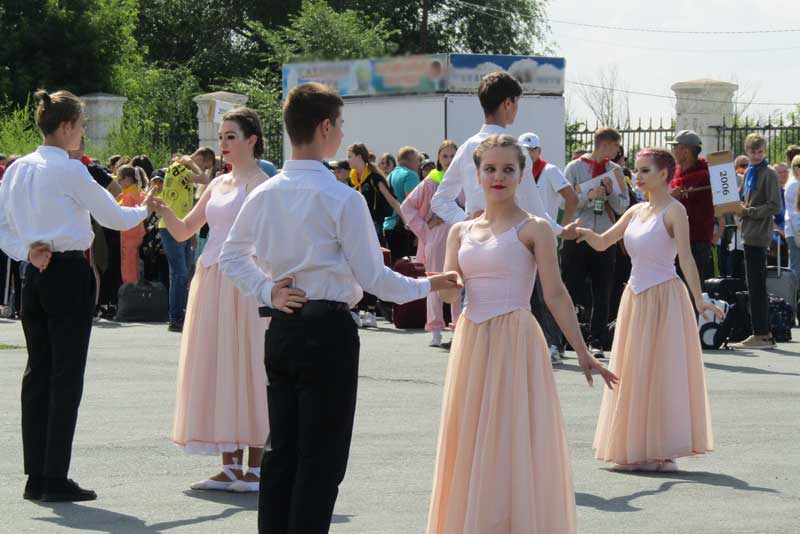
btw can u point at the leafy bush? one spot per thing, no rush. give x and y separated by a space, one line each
18 132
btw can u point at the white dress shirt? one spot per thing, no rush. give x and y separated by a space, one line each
462 175
47 197
305 225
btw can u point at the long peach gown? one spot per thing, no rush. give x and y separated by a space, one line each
431 246
502 465
660 408
221 397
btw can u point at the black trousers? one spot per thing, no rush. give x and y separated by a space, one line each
552 333
57 311
703 260
755 268
312 367
579 261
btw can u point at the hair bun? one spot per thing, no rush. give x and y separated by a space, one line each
44 96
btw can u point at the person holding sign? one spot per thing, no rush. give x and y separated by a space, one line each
692 188
762 201
598 201
659 411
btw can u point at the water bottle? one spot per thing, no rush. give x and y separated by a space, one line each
598 206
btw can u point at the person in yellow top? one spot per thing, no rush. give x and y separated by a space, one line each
178 193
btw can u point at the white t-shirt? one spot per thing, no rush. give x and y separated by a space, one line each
551 181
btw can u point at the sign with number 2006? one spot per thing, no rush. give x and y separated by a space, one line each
724 186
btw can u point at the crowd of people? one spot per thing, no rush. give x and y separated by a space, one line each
501 232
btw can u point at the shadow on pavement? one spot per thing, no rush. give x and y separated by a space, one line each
87 518
747 370
623 502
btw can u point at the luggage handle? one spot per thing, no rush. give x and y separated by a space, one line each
778 247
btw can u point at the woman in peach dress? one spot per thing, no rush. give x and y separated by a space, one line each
502 465
221 397
660 410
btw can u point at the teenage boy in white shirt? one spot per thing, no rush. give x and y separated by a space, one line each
46 199
304 245
499 94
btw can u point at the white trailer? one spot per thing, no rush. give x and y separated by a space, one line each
433 103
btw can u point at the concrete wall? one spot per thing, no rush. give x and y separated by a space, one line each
103 112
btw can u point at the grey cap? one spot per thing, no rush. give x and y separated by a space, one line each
686 137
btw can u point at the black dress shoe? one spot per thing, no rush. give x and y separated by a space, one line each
33 488
175 327
66 491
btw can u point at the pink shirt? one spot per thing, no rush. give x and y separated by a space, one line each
498 274
221 212
652 251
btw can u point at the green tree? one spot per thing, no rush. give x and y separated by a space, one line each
317 32
466 26
67 44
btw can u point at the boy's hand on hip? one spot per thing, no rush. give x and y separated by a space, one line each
285 298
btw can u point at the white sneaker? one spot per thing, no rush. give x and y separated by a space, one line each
356 319
369 320
555 355
436 340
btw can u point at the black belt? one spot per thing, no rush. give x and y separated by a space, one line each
313 309
70 255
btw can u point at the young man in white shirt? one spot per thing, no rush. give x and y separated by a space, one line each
499 94
304 245
46 199
553 189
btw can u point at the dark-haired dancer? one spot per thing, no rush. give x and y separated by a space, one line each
221 399
45 203
659 411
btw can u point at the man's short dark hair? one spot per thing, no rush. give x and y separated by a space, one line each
306 107
495 88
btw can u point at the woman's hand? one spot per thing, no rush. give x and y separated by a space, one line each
706 306
588 363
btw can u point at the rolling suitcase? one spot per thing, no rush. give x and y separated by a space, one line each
142 302
782 283
411 314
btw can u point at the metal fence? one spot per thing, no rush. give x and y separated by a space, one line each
634 138
779 136
273 148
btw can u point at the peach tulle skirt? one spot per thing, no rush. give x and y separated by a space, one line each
502 463
660 408
221 398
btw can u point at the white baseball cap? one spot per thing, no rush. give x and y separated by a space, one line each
530 140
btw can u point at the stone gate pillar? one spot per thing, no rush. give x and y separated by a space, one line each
103 112
207 129
702 104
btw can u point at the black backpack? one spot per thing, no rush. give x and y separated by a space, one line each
781 319
734 328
